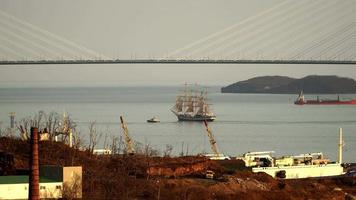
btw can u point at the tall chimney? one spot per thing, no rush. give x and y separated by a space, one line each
34 188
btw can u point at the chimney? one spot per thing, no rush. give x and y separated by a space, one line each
34 188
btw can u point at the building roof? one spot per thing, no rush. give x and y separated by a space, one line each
23 179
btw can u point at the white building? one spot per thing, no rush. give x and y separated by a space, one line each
55 181
16 187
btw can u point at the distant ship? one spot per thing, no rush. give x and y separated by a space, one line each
153 120
192 106
301 101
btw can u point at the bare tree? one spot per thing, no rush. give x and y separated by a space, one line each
121 144
94 136
37 120
51 123
25 123
146 149
78 140
72 189
114 144
167 152
106 145
24 127
66 126
6 132
1 131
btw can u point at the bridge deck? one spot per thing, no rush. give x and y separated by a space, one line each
144 61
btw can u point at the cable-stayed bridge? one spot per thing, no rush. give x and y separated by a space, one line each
291 32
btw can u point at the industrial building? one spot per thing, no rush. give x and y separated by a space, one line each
55 182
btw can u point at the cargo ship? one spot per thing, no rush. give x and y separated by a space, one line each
192 105
302 101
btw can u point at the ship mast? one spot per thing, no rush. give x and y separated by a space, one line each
301 96
192 104
205 107
211 139
128 140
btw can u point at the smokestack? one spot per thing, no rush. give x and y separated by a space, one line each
34 188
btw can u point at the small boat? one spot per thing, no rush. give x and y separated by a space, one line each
302 101
153 120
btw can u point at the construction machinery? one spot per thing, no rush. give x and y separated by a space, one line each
128 141
216 155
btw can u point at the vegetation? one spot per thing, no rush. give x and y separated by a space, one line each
286 85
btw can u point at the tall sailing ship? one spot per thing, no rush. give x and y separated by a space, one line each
192 105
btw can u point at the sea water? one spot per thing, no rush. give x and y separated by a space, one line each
245 122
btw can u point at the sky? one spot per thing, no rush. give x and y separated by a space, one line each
125 27
150 29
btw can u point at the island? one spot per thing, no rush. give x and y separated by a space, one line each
312 84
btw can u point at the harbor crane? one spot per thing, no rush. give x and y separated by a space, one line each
216 155
128 141
211 139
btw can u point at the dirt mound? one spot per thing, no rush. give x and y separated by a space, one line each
181 167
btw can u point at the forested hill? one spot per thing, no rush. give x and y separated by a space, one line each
285 85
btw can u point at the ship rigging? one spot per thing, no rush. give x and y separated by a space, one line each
192 105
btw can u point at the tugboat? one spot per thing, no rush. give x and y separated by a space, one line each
192 105
301 101
153 120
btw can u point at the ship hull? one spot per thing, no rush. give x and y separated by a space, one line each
302 171
195 118
329 102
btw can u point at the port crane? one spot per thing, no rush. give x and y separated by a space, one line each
211 139
128 141
216 155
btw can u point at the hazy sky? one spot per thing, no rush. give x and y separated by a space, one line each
125 27
136 28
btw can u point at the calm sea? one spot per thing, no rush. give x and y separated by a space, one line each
245 122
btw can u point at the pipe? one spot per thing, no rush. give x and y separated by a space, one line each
341 143
34 189
70 138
